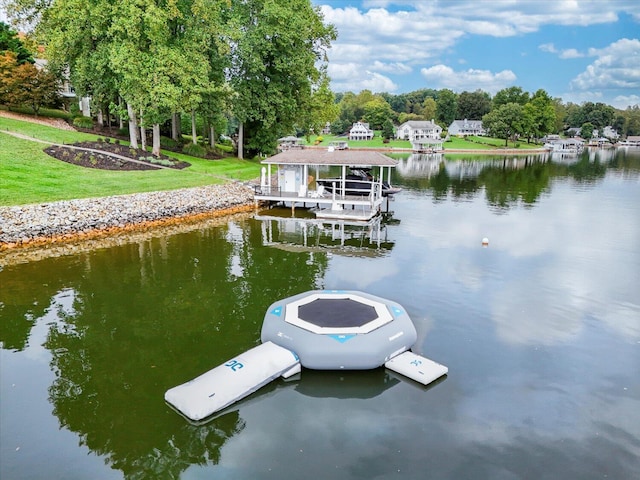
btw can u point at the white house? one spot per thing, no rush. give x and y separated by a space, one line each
66 89
464 127
418 130
360 131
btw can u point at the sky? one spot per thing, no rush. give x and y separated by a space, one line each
576 50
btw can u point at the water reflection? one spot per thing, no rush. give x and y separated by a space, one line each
340 237
507 180
146 316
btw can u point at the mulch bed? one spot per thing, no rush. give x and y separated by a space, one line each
102 159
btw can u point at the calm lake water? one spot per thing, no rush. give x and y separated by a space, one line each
540 331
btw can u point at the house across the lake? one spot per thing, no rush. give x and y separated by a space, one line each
416 130
287 143
360 131
461 128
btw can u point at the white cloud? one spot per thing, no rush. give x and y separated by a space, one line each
354 77
548 47
442 76
571 53
616 66
624 101
396 67
564 54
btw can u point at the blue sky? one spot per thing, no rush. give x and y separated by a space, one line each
578 50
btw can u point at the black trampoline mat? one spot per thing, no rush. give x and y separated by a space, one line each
337 313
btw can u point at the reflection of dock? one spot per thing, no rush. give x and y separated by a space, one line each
349 238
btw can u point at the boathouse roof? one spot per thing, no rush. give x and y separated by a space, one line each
360 158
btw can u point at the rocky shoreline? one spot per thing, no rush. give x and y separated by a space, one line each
27 225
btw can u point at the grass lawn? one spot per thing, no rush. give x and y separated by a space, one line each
376 142
470 143
28 175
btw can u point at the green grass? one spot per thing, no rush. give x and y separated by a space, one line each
485 143
44 112
376 142
456 143
28 175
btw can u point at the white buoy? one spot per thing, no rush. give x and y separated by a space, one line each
485 242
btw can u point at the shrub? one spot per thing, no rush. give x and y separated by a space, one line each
194 150
168 143
161 161
83 122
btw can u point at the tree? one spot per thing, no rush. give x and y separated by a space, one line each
473 105
561 114
598 114
387 130
446 107
32 86
376 112
429 108
510 95
8 65
9 41
320 110
274 66
540 113
586 130
504 121
632 121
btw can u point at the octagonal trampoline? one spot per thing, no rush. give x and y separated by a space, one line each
321 330
339 329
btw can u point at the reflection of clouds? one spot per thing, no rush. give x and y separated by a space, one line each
235 237
574 255
522 316
623 318
62 303
359 274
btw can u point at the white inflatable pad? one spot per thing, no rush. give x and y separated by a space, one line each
218 388
416 367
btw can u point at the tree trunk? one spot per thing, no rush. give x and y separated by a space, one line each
133 127
143 138
100 118
143 135
175 126
212 137
194 134
156 140
240 140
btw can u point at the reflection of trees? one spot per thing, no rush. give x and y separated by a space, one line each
510 180
505 187
25 296
149 316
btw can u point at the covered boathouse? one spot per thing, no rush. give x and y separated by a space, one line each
297 181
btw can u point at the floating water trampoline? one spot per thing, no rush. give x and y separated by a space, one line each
319 330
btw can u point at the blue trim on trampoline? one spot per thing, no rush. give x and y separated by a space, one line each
277 311
342 338
396 311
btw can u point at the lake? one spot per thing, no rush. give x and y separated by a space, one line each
540 331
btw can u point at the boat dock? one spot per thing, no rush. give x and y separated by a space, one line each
298 183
